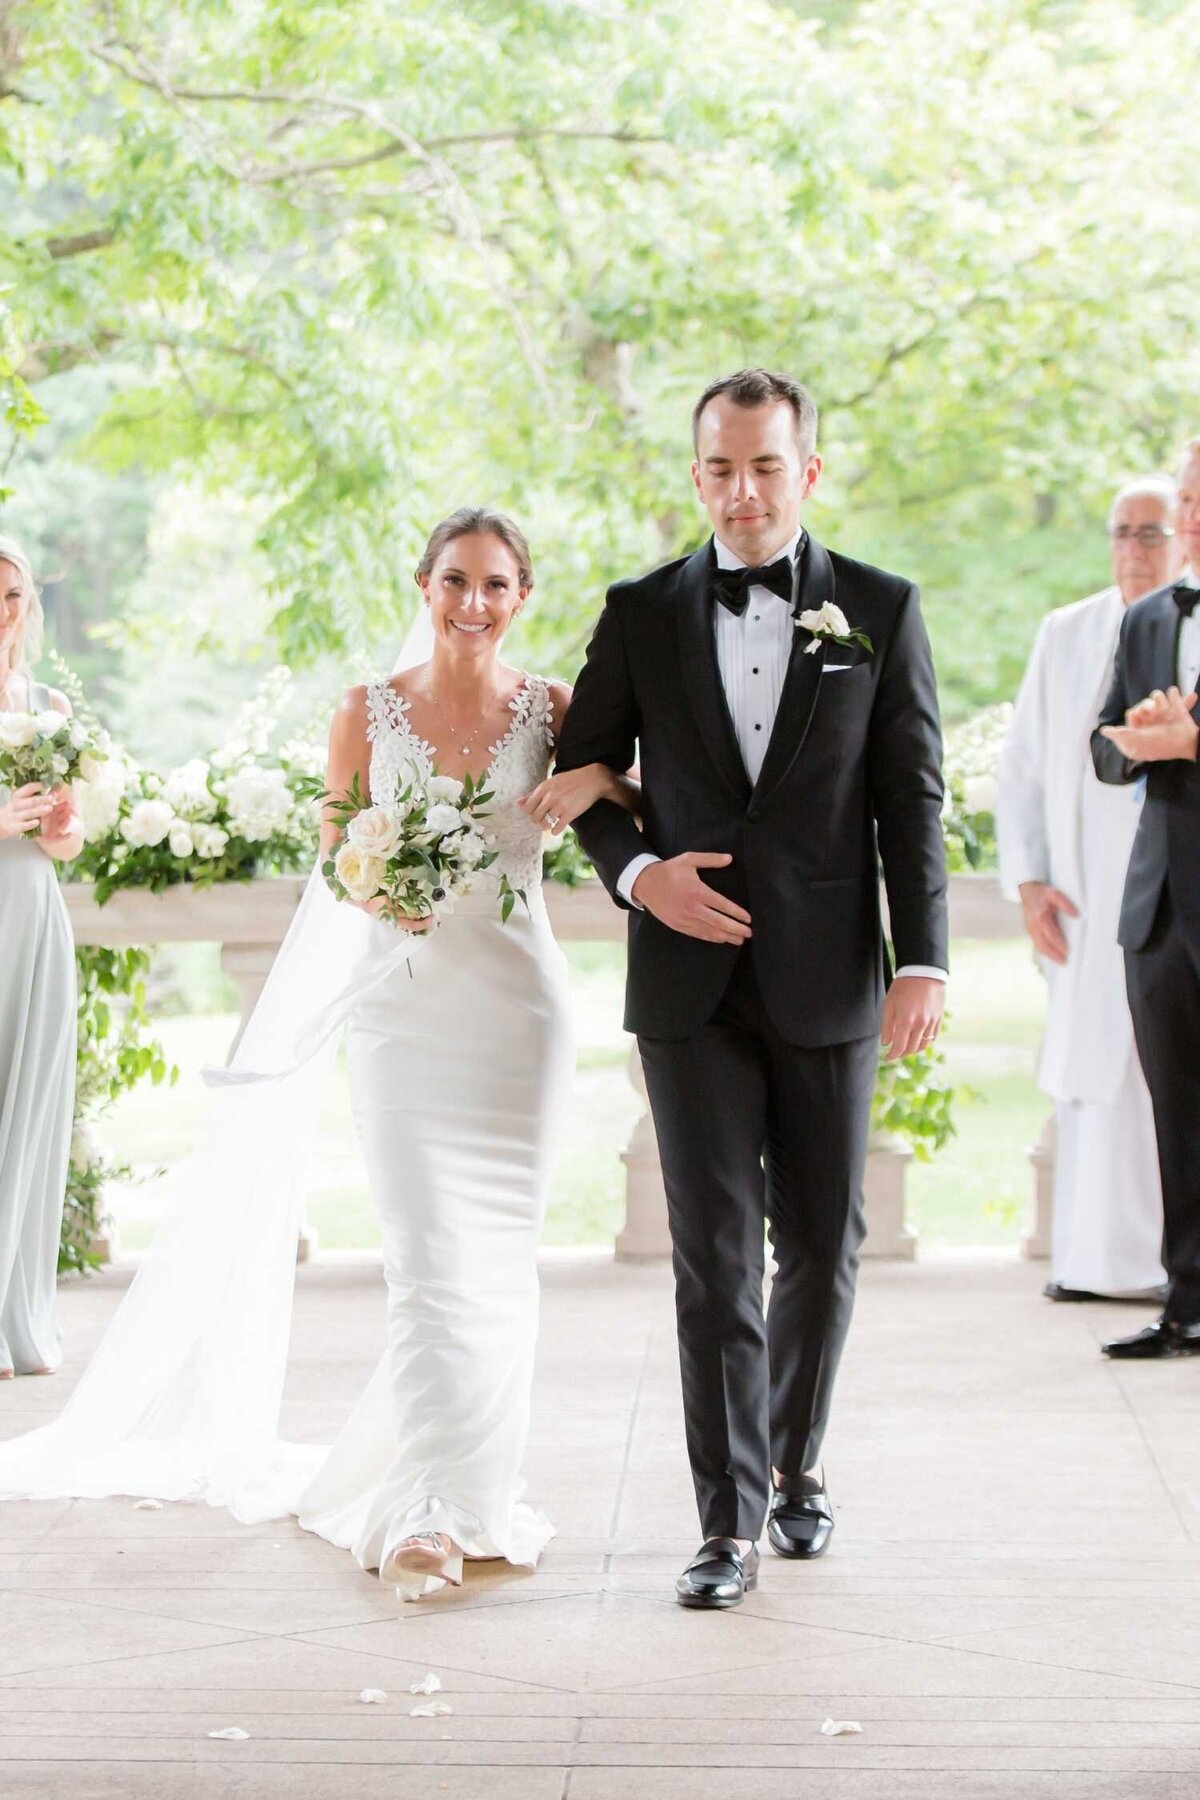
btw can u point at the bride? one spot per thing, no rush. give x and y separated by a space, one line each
458 1047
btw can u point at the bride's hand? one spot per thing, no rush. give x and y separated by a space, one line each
559 800
381 908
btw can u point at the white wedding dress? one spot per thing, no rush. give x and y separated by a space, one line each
460 1058
458 1070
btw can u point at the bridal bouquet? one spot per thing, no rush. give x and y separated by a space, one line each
419 855
47 747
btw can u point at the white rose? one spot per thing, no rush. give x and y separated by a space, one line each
59 764
187 790
50 723
979 793
442 819
79 736
148 823
375 831
180 839
17 730
360 875
444 787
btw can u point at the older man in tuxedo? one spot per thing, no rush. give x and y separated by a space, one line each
1064 841
1147 732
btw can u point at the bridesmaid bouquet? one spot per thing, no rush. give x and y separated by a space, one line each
47 747
419 855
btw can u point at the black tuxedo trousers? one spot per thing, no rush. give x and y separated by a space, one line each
1162 979
755 1130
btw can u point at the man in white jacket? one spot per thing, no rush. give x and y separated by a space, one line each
1064 842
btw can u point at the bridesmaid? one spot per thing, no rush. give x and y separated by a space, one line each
37 1006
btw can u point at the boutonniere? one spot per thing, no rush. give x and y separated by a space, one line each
830 625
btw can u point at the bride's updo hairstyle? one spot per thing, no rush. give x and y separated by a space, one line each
478 521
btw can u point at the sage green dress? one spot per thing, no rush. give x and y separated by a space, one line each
37 1094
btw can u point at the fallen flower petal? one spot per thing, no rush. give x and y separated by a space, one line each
147 1506
372 1696
430 1685
840 1727
432 1709
233 1732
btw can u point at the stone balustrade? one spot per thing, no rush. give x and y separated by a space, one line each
249 920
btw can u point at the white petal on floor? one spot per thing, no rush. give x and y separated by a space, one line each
430 1685
147 1506
432 1709
372 1696
234 1733
840 1727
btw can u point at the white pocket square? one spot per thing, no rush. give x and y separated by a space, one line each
838 668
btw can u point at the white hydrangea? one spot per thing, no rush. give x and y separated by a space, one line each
180 839
210 841
186 790
259 802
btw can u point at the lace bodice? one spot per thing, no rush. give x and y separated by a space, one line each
519 760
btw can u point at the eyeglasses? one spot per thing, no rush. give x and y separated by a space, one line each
1150 537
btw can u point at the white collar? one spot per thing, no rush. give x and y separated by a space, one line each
729 559
1189 578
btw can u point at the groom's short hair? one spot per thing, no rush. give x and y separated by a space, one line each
759 387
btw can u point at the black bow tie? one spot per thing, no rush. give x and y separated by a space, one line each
1185 598
732 586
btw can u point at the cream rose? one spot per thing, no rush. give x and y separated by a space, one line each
375 831
360 875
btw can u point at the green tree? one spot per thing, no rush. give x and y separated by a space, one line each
359 263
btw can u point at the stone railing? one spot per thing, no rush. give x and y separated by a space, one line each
249 920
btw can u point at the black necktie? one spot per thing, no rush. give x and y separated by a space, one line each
732 586
1185 598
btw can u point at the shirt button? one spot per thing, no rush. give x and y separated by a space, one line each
754 671
757 616
758 728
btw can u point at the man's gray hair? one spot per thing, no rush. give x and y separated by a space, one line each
1145 487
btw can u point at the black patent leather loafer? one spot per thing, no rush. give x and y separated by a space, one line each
1166 1337
719 1575
801 1519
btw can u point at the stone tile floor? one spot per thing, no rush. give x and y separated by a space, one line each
1011 1606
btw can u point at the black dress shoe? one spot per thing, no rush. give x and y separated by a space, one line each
801 1518
1054 1290
719 1575
1167 1337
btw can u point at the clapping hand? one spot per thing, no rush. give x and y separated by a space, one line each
1158 729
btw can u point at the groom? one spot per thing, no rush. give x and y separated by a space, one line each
782 748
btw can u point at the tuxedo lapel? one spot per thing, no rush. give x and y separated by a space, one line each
702 677
1164 646
803 679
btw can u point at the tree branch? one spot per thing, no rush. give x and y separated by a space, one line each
58 249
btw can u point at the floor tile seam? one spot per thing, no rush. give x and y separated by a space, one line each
1038 1662
137 1612
310 1642
755 1618
630 1433
104 1662
1115 1379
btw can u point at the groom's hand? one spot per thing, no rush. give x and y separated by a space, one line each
674 893
912 1015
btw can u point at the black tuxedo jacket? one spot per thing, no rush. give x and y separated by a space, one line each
853 762
1167 845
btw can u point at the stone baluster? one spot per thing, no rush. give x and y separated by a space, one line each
1036 1242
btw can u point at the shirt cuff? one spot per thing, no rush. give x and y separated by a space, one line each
629 875
925 973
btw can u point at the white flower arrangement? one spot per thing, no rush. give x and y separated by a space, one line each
241 812
417 857
970 764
